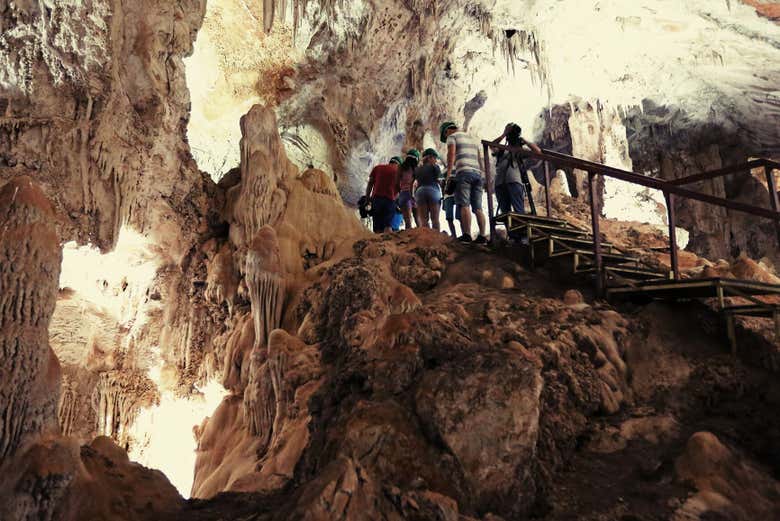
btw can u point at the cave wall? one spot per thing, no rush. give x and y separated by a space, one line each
94 108
668 143
93 102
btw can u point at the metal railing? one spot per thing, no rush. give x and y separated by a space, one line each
670 189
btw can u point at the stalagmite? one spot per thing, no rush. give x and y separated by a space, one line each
30 257
266 284
266 292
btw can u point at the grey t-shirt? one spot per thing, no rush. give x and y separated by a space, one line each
509 169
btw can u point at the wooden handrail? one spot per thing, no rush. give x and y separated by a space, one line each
643 180
670 189
704 176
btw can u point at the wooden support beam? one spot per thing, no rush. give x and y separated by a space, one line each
671 214
490 189
547 188
777 325
732 333
773 199
595 217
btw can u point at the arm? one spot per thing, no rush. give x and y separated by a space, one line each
370 185
534 147
450 159
502 136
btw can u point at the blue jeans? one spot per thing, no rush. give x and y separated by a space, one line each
511 196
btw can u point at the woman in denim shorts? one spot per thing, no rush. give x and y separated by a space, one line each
428 195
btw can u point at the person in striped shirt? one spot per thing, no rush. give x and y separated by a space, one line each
463 157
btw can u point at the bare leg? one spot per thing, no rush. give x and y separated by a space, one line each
465 220
407 212
435 210
453 231
422 216
481 222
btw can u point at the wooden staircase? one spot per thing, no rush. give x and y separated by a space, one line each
550 238
627 277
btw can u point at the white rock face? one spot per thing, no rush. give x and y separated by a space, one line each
235 65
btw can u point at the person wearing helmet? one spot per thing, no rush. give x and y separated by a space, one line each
428 194
510 186
382 191
463 162
405 180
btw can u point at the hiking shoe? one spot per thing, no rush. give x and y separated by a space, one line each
481 240
465 238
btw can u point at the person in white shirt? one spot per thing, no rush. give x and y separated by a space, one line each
463 158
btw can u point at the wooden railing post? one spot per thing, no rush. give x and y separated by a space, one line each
594 214
547 188
489 189
672 218
772 187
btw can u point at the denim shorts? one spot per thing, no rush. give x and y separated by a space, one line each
405 199
428 195
451 212
469 190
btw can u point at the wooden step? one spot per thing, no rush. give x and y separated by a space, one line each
503 218
609 258
636 273
753 310
549 229
582 241
629 273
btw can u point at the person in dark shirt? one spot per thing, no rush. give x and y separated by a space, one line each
428 194
382 189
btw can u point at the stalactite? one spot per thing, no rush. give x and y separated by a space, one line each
260 400
118 398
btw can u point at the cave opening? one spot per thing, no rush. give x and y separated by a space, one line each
118 379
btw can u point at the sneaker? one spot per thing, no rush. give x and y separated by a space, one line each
481 240
465 238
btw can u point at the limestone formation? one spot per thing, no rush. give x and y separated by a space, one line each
265 280
92 101
395 376
30 258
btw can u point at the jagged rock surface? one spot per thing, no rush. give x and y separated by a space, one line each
30 260
42 474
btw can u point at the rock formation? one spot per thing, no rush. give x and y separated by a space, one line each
30 267
399 376
46 476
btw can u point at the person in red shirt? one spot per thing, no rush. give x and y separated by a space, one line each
382 189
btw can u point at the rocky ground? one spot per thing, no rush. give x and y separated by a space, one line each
480 390
417 378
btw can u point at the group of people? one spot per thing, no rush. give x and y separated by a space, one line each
416 188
